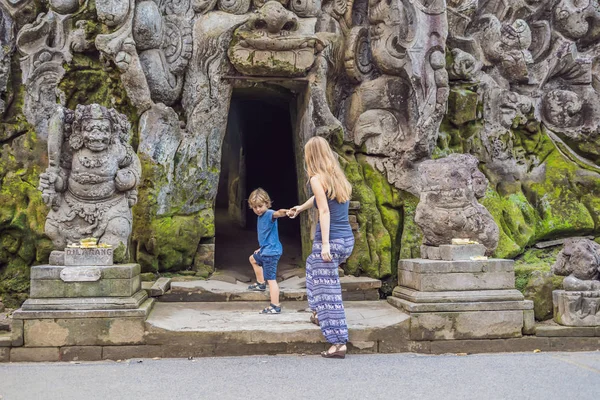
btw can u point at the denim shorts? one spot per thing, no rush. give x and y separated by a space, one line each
268 264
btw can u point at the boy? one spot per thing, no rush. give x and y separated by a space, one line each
265 259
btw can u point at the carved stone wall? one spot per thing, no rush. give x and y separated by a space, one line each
391 84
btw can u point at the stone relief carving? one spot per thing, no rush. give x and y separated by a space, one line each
375 73
92 178
448 206
579 303
579 261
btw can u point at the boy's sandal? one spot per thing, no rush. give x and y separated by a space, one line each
272 309
338 353
314 319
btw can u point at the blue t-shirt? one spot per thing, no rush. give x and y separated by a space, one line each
268 236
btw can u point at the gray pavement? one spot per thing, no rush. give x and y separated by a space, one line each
396 376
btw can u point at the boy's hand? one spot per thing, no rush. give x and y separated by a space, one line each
293 212
280 213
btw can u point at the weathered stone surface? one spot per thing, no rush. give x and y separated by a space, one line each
37 354
5 339
539 290
4 354
57 257
446 267
466 325
17 333
456 281
565 331
127 352
80 353
448 206
459 307
83 332
86 303
416 296
160 287
528 322
452 252
52 272
92 177
576 308
102 288
140 312
85 257
579 261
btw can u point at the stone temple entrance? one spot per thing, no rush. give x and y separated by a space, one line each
258 151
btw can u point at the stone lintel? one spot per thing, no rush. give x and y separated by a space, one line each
459 307
119 271
447 267
86 303
142 311
457 296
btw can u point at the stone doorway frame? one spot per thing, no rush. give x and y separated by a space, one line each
297 92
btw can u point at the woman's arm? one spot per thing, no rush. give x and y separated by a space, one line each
294 211
324 216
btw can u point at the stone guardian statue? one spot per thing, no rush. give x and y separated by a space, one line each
92 177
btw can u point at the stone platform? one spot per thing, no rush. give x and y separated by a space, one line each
293 289
461 299
236 328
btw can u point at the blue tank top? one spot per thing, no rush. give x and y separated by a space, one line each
339 226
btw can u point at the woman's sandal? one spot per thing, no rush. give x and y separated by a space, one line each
338 353
314 319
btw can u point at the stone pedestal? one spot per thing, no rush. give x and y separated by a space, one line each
462 299
93 305
576 308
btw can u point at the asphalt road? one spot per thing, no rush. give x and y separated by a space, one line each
544 376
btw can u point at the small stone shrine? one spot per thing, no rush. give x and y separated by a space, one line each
454 291
579 303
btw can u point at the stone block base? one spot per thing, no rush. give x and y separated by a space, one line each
576 308
437 276
461 299
57 328
56 281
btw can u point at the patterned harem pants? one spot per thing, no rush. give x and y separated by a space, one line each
324 291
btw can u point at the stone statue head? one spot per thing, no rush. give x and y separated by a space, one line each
96 128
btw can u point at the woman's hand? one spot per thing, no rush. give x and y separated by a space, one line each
326 252
293 212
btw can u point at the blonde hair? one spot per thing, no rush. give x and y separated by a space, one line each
321 161
259 196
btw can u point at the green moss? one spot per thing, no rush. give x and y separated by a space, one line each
535 260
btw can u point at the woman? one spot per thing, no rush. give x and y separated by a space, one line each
332 245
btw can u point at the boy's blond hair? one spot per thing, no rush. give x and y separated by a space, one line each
259 196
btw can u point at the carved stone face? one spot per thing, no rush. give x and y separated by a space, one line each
275 42
96 134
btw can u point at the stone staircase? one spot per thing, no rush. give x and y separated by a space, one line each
219 317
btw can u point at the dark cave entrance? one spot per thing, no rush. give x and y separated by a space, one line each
257 151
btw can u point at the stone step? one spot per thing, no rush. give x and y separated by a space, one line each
228 329
293 289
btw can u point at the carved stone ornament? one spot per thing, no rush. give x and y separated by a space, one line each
92 178
579 303
448 206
